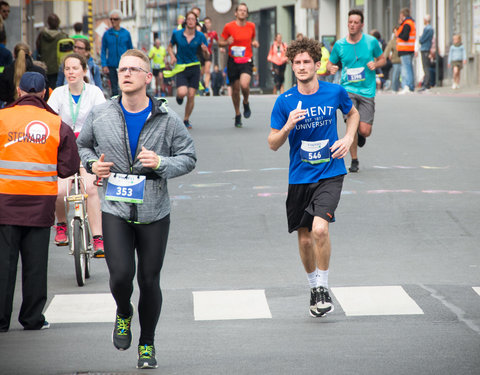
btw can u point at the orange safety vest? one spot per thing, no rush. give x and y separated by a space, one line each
409 45
29 141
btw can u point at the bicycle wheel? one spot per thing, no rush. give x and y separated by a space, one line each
87 254
79 251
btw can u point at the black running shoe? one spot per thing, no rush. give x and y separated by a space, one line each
238 121
122 335
246 110
354 166
324 302
146 357
179 100
187 124
361 140
313 303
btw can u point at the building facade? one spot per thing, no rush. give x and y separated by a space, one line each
324 20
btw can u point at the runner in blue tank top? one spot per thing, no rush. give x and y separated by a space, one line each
306 115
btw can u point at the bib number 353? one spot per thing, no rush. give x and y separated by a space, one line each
125 188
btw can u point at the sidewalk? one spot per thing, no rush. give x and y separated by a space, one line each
446 89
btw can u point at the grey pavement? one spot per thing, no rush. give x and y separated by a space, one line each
409 219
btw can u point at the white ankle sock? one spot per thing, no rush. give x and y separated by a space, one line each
322 278
312 279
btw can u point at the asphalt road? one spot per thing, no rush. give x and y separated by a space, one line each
405 268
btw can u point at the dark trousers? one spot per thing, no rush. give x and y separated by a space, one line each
112 74
31 243
426 69
121 239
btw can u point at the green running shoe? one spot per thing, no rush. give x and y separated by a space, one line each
146 357
122 335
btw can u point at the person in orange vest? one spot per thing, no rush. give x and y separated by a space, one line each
36 147
406 35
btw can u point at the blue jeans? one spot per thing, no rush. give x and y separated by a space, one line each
395 76
112 74
407 71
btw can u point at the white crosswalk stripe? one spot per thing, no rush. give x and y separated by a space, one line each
376 300
239 304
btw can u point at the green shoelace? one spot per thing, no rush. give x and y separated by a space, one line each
123 325
145 351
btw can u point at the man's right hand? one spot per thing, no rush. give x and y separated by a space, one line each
105 70
101 167
295 116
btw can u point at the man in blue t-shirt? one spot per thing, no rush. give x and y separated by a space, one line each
360 55
188 41
306 115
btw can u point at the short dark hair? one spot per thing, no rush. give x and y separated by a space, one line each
4 3
53 21
78 27
356 12
311 46
85 42
405 12
240 4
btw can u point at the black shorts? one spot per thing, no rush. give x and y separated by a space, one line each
156 72
190 77
234 70
305 201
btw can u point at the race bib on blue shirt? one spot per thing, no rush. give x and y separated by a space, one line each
125 188
356 74
315 152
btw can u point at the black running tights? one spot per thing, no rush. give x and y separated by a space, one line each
121 238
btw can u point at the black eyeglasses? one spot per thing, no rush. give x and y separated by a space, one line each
114 19
131 70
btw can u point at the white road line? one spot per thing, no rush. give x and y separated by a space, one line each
376 300
230 304
81 308
477 289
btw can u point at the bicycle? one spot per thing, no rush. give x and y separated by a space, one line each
80 233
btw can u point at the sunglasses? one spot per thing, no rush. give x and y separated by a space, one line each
114 19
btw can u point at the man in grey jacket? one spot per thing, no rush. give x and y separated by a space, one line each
135 143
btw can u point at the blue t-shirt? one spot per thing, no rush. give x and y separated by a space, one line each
356 77
312 137
135 122
187 52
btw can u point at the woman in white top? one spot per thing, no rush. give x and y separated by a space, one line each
73 103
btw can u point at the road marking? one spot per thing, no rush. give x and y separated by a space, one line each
230 304
376 300
477 289
81 308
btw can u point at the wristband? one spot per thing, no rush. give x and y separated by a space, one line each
159 162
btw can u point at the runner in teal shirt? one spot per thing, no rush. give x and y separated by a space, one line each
360 55
356 76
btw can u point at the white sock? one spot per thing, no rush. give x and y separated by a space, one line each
322 278
312 279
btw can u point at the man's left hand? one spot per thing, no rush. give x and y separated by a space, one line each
149 159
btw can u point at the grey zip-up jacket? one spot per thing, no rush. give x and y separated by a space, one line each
105 132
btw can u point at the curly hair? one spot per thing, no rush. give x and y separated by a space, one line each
311 46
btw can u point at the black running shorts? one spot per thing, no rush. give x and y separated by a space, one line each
190 77
305 201
234 70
